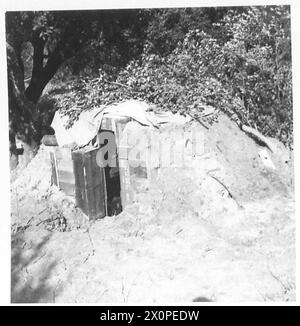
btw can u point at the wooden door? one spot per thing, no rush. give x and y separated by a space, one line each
89 183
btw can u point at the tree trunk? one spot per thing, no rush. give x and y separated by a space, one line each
38 83
41 74
22 114
24 117
13 158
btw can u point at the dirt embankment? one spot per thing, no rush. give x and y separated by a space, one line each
187 238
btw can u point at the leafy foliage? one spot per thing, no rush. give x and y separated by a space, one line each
241 66
39 43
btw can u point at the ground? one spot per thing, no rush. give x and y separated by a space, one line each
180 242
122 259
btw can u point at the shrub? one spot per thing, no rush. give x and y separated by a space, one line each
242 68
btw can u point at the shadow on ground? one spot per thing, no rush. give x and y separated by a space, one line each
202 299
25 259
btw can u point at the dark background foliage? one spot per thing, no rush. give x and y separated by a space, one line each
236 59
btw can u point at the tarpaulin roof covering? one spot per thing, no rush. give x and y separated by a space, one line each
89 122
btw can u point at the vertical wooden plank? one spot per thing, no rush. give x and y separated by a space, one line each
99 184
91 203
77 157
62 170
53 169
106 123
94 185
125 182
81 200
122 162
87 161
92 170
66 177
67 188
120 126
80 189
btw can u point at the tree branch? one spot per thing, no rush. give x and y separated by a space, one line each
38 55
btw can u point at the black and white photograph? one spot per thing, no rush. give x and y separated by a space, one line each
151 154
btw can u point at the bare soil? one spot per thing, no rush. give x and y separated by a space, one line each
185 239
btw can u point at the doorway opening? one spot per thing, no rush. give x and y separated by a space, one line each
112 178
